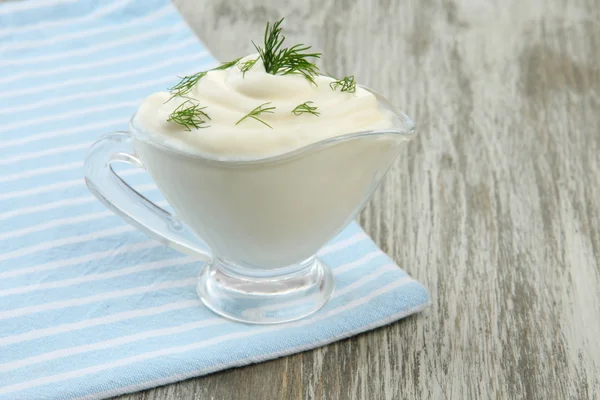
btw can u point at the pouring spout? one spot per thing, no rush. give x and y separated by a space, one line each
402 125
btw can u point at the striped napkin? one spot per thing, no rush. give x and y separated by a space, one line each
89 307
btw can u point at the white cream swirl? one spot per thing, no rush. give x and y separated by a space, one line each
229 95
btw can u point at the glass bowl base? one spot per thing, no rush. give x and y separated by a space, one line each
298 291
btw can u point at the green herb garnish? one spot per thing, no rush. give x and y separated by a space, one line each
277 60
227 64
285 61
246 65
347 84
258 111
187 82
304 108
189 114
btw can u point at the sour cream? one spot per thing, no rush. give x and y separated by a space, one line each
229 95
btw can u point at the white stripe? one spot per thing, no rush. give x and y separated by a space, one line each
204 343
150 266
63 242
88 323
41 171
16 6
68 115
94 49
342 269
100 12
64 132
42 189
52 355
66 202
57 305
100 63
36 90
68 262
253 360
55 223
48 152
366 279
60 185
47 206
64 222
342 244
28 44
363 260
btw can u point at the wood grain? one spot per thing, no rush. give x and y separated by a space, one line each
495 207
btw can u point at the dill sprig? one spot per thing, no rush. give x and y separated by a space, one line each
258 111
285 61
189 114
246 65
347 84
305 108
187 82
227 64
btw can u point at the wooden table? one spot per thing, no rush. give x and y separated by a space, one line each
495 207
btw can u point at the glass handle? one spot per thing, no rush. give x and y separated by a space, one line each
126 202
